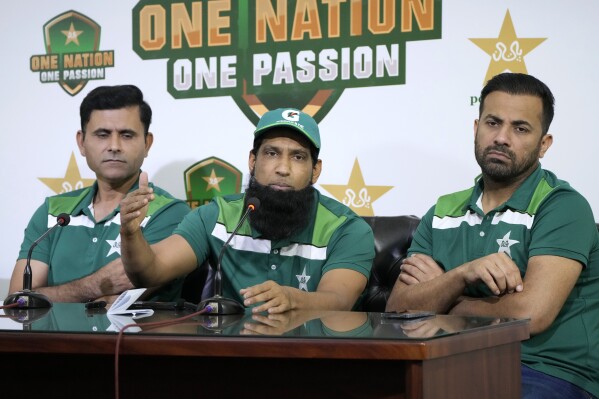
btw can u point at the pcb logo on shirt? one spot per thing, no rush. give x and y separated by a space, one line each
73 56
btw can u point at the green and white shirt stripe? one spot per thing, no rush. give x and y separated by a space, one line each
335 238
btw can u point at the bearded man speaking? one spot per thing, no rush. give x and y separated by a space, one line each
298 250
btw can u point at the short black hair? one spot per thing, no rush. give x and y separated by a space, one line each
523 84
115 97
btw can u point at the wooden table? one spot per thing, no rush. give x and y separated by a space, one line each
326 354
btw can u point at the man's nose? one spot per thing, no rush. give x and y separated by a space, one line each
283 167
115 143
503 135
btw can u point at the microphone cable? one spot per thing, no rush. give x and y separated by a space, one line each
147 326
20 302
12 305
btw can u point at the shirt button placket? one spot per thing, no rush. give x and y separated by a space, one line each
272 274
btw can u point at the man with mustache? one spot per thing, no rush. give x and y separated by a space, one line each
81 261
520 243
298 250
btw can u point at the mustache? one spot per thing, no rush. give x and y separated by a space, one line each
500 148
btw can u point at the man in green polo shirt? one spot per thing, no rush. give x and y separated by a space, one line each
520 243
298 250
81 261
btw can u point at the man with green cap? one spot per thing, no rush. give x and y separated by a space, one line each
297 250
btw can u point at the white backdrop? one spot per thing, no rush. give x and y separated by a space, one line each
416 137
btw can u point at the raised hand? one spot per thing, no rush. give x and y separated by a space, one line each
135 206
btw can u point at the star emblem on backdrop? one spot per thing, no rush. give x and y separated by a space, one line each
356 194
213 181
72 35
72 179
508 50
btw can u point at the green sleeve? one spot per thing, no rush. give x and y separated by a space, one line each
564 226
422 242
38 224
351 247
196 229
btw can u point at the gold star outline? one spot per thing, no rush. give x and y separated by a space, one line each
72 179
213 181
356 194
72 35
508 50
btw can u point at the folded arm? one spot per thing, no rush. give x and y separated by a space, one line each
548 282
424 285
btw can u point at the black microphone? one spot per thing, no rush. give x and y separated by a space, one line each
26 298
218 303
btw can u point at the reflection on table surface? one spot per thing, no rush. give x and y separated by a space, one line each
74 318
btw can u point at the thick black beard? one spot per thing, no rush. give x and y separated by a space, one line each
281 213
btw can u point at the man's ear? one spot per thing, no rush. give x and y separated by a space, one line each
316 170
80 137
149 139
546 142
252 161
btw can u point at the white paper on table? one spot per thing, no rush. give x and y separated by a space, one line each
120 315
122 303
119 321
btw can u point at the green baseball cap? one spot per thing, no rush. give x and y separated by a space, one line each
290 118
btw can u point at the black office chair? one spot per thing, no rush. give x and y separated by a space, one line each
392 238
194 283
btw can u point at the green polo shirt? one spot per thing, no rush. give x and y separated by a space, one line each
86 245
335 238
545 216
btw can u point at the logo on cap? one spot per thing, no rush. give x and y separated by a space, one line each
291 115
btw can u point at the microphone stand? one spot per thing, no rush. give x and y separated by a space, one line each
215 324
219 304
26 298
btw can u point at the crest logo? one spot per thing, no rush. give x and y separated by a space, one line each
72 58
269 54
209 178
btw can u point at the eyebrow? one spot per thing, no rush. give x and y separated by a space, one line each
513 123
300 150
120 131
